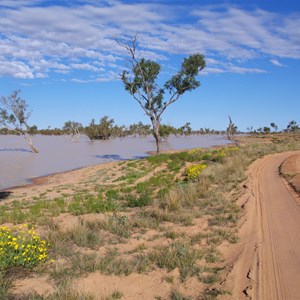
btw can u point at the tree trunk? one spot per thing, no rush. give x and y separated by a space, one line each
157 141
233 140
28 138
156 135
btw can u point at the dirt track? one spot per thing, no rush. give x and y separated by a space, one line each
267 261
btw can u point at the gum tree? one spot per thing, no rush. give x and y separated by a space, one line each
292 126
74 129
141 82
14 116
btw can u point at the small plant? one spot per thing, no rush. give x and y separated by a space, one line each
143 200
21 246
175 295
194 171
117 224
5 285
178 255
84 236
115 295
85 204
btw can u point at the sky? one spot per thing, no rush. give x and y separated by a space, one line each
63 57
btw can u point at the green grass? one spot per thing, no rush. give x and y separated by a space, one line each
175 295
86 236
86 204
5 286
112 264
178 255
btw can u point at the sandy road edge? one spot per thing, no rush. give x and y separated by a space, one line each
244 279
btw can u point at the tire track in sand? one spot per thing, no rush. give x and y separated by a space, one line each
267 262
279 251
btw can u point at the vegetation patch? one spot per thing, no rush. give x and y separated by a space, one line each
20 246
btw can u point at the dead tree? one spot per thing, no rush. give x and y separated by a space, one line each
231 131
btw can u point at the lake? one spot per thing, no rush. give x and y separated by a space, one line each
59 153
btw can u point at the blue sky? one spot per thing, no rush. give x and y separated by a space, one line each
63 57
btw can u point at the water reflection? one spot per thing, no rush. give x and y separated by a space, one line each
59 153
15 149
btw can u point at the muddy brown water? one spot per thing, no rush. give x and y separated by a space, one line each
59 153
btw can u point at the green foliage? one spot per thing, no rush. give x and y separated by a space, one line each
185 80
101 131
166 130
73 128
139 129
175 164
138 201
292 126
21 246
85 204
158 159
186 129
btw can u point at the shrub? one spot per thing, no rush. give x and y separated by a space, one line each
21 246
194 171
141 201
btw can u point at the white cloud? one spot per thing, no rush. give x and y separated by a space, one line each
86 67
275 62
41 39
16 69
243 70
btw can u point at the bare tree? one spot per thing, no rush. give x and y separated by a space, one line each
14 116
140 82
231 131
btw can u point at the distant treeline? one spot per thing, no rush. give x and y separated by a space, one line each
106 128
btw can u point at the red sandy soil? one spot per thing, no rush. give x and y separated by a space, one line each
266 264
290 169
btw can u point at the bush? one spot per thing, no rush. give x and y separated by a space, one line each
194 171
21 246
143 200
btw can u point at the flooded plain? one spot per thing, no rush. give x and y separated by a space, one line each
18 165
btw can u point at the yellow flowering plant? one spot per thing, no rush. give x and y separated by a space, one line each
21 246
194 171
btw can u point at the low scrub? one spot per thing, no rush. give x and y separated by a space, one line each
20 246
178 255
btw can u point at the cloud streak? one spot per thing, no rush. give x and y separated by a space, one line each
39 40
